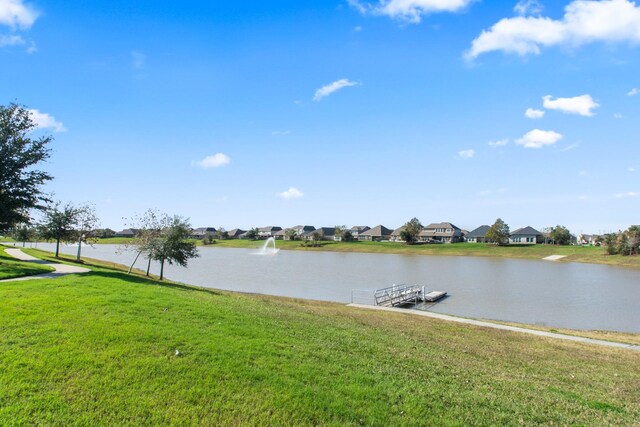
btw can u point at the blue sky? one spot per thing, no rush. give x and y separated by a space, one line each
336 112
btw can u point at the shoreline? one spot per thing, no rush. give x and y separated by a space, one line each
617 337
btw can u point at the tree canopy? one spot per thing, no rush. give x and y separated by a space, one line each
59 224
20 182
560 235
411 231
499 232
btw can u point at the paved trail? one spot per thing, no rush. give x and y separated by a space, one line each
60 269
503 327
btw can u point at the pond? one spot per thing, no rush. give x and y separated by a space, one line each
565 295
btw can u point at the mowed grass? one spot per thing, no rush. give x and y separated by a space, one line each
100 349
11 268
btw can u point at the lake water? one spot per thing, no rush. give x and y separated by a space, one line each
567 295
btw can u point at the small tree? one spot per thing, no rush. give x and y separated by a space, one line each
633 234
86 222
253 234
411 231
22 233
610 240
339 231
20 184
59 224
174 245
291 234
560 235
499 232
347 236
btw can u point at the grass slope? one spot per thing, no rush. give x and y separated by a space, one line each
100 349
11 267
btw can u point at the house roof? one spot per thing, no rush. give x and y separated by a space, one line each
204 230
235 232
442 225
377 231
360 228
131 231
269 228
324 231
479 232
526 231
397 231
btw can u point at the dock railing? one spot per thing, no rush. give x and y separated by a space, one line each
399 294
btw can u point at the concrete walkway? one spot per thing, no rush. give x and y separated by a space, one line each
60 269
498 326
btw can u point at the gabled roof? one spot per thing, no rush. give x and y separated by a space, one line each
324 231
269 229
397 231
204 230
479 232
235 232
442 225
526 231
377 231
360 228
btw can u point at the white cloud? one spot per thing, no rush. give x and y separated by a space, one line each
357 28
582 105
291 193
583 22
633 92
528 7
534 114
11 40
627 194
327 90
539 138
138 60
15 14
498 143
215 161
618 116
46 121
631 169
570 147
466 154
582 173
409 10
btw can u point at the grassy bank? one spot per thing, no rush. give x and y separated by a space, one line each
11 268
101 349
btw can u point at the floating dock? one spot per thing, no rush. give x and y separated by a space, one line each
405 294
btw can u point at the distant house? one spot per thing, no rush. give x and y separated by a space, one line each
395 235
526 236
376 234
202 232
479 235
357 229
298 229
441 232
235 233
325 233
268 231
127 232
587 239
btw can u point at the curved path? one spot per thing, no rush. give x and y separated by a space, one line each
503 327
60 269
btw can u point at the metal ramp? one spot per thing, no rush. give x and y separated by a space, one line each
399 294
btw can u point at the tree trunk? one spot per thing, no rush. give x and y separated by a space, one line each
23 243
134 262
161 268
79 249
148 267
57 247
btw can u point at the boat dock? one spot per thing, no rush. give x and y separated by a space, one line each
405 294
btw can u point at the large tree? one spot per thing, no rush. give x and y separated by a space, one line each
411 231
20 182
560 235
499 232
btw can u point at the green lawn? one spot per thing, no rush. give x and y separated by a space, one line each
11 267
100 349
